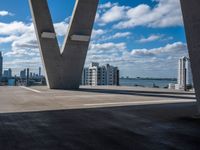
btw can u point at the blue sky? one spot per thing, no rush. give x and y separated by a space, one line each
142 37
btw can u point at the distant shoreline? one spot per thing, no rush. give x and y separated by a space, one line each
169 79
148 82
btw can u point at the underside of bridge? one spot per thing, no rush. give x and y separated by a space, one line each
64 67
191 17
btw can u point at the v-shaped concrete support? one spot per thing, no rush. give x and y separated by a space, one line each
191 17
64 67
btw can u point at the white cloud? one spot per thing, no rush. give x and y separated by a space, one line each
5 13
20 53
106 5
61 28
106 52
166 13
98 32
117 35
114 14
151 38
119 51
13 28
8 39
23 39
175 49
107 47
97 18
121 35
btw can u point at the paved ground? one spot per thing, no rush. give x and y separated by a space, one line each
21 99
73 125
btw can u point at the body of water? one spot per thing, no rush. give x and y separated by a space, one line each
147 82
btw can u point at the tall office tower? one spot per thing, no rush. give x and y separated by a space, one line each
23 74
27 76
84 80
116 76
100 75
10 73
189 79
39 71
7 73
28 73
31 75
1 64
184 73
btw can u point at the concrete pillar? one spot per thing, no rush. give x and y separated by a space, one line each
191 17
64 67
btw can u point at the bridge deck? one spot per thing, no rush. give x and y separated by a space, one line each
72 120
18 99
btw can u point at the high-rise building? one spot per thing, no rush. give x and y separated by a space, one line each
100 75
189 79
1 64
7 73
27 76
23 74
39 71
28 73
84 80
94 74
184 74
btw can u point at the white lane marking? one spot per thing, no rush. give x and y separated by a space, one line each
29 89
141 102
83 96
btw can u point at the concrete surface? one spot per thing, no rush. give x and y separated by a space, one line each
64 67
191 17
37 118
18 99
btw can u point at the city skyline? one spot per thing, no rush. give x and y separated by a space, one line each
142 38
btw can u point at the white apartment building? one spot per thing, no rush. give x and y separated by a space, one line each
100 75
184 74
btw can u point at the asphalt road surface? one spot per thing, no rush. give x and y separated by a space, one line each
113 119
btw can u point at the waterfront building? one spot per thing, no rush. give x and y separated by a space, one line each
189 80
23 74
85 76
100 75
1 64
7 73
94 74
31 75
184 74
27 76
40 72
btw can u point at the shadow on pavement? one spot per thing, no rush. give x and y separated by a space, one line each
152 127
178 95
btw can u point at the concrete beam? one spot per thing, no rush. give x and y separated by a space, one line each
64 67
191 17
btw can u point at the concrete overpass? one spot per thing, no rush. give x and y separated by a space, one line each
64 67
191 17
108 118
